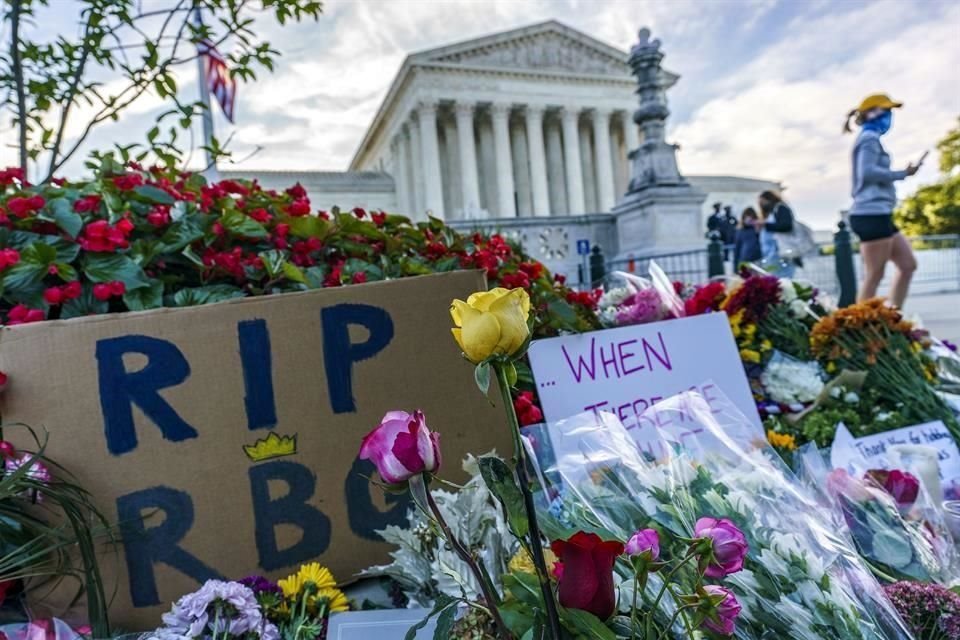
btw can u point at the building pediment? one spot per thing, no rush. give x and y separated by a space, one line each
549 46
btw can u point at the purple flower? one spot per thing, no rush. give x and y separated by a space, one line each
645 541
727 546
949 345
259 584
721 617
926 607
229 606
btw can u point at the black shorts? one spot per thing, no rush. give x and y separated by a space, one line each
870 227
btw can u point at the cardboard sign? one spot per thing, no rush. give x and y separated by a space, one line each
224 437
628 370
891 450
389 624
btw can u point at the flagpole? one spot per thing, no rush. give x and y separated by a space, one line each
210 168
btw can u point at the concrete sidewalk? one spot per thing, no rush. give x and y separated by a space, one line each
938 312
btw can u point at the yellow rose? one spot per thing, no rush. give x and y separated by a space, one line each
491 323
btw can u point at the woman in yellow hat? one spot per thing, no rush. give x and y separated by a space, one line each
874 198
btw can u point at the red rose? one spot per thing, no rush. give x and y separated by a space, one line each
7 450
299 208
359 277
117 288
8 175
587 578
360 212
527 411
379 218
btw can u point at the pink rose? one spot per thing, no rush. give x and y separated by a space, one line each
644 541
722 616
841 483
728 546
401 447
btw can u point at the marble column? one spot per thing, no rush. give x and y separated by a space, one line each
430 159
416 174
449 166
521 168
469 181
556 184
630 131
606 196
506 207
400 167
538 161
571 155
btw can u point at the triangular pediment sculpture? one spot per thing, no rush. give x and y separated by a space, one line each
549 46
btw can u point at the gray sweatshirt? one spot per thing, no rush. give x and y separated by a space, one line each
873 190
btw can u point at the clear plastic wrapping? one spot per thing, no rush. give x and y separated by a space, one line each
897 527
802 577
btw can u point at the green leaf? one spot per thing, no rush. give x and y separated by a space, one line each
274 262
243 225
109 267
145 297
65 217
295 273
442 603
308 226
519 617
561 311
481 375
191 297
500 479
180 234
85 305
153 194
586 625
524 587
445 622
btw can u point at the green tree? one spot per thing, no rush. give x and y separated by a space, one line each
119 53
935 208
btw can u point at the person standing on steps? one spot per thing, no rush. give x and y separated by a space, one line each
874 198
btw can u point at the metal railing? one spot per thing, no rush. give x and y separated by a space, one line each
938 260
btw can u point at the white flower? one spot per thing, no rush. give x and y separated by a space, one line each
883 416
836 391
790 381
850 397
799 309
614 297
788 292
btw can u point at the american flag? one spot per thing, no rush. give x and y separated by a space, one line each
219 82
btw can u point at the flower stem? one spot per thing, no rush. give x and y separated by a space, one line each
482 577
666 585
633 610
536 546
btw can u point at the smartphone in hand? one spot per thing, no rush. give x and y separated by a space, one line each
922 158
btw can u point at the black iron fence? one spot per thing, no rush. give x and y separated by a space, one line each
835 267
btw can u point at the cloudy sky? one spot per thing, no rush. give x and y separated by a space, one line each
764 85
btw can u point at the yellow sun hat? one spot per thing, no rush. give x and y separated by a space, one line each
878 101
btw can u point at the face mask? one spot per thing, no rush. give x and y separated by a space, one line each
881 124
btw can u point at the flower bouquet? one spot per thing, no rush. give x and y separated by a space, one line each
897 527
870 336
295 608
800 578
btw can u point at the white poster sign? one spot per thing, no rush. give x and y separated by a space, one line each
903 449
382 624
627 370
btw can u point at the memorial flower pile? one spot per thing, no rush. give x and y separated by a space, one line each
790 572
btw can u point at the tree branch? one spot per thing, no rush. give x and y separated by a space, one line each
70 96
17 69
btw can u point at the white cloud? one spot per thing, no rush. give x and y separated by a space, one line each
780 117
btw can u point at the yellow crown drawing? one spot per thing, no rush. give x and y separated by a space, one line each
273 446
